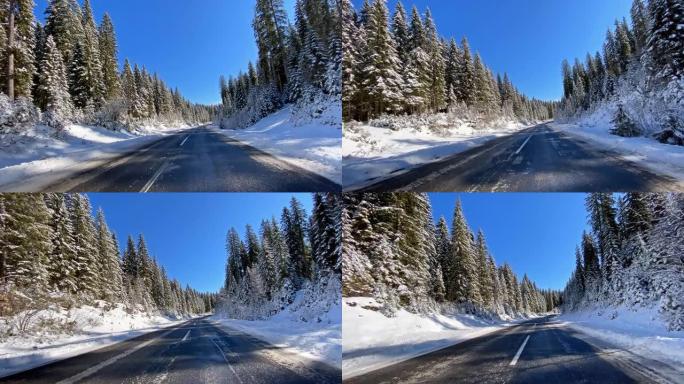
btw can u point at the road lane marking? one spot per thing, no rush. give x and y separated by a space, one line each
517 355
186 335
154 178
93 370
227 362
186 139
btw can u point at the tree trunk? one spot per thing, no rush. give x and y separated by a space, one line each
10 48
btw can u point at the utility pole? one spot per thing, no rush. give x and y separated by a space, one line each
10 49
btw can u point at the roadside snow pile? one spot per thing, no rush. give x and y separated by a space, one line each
309 137
637 330
387 146
311 326
59 334
649 152
37 157
373 341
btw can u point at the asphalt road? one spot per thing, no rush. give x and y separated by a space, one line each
552 353
196 160
195 352
538 159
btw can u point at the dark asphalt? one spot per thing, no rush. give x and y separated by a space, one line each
196 160
538 159
206 354
553 354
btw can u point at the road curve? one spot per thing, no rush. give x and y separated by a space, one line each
196 160
537 159
539 351
194 352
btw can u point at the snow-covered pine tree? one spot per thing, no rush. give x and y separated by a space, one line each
665 42
111 281
62 258
485 278
434 50
85 245
108 57
326 234
270 25
381 77
463 269
358 237
23 49
52 91
295 229
91 54
466 75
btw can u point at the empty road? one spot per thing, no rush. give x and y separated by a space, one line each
538 159
196 160
539 351
195 352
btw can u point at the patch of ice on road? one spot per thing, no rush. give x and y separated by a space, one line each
373 341
86 329
310 143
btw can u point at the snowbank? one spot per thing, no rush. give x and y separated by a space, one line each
319 340
372 153
83 330
311 326
311 143
36 158
373 341
639 331
661 158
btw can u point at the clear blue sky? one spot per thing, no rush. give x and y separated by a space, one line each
190 43
187 232
526 38
535 233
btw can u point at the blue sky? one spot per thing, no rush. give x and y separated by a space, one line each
190 43
526 38
535 233
186 232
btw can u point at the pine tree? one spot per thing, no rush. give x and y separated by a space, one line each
23 49
382 81
485 278
85 262
640 22
463 268
62 257
108 56
130 263
466 78
91 53
111 280
666 38
270 22
26 239
434 50
52 91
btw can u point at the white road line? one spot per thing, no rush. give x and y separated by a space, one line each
186 139
523 145
154 178
226 359
517 355
92 370
186 335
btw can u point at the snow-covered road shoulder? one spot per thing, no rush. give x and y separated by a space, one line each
373 341
372 154
660 158
638 331
36 159
94 328
310 143
320 341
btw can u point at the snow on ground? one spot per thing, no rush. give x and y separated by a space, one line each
661 158
639 331
371 154
373 341
84 329
36 158
311 143
318 339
